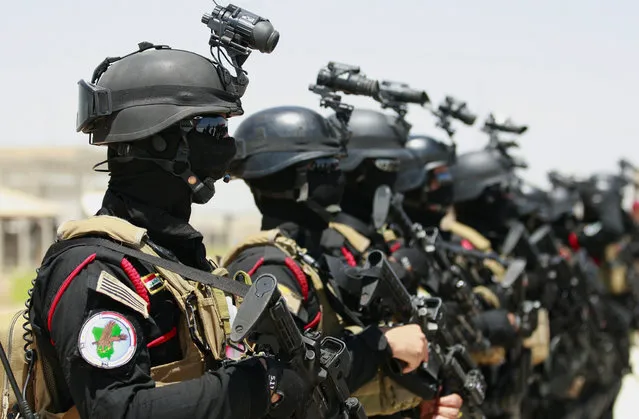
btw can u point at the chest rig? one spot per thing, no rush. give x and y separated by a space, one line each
329 322
203 327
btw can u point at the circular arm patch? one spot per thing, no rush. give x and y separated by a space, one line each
107 340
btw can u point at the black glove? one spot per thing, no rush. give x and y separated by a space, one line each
289 385
494 324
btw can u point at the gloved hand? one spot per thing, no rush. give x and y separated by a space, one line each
289 391
497 326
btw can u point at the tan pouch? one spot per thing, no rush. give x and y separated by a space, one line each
383 396
614 272
490 297
539 341
492 356
357 240
12 342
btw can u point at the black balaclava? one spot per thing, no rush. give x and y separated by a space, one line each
299 196
418 211
428 206
489 214
361 185
149 196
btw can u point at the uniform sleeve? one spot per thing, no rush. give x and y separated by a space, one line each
369 350
113 381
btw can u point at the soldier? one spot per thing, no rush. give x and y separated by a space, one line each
290 159
427 186
112 331
602 232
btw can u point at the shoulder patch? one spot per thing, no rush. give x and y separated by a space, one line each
107 340
113 288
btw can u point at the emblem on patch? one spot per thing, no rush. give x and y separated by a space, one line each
153 283
111 287
107 340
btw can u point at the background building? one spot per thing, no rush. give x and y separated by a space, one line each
41 187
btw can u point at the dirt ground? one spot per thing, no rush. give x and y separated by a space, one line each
627 406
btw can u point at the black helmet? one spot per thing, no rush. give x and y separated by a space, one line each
561 201
274 139
149 90
427 153
475 171
530 200
373 135
600 193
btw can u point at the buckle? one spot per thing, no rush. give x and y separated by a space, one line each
194 326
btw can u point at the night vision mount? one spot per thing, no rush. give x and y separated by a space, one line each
343 111
239 32
349 80
629 172
557 180
495 125
452 108
397 95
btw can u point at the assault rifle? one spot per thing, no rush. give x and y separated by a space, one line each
445 279
452 281
264 319
448 361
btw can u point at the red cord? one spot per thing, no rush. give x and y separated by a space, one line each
466 244
255 267
395 247
314 322
162 339
350 259
134 276
573 241
299 276
64 287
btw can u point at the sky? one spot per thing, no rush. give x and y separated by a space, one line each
568 69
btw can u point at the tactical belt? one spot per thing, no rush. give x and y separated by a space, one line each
196 275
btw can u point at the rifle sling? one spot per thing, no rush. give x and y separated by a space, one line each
196 275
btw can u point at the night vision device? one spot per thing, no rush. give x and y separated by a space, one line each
241 31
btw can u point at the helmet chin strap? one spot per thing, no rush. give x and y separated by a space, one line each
325 213
202 191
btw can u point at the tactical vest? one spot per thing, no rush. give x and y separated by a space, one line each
354 238
380 396
478 241
613 271
210 310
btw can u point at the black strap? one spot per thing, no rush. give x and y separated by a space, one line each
224 284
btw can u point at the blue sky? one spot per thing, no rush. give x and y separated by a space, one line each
566 68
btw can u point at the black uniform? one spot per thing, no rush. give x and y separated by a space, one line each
369 348
64 297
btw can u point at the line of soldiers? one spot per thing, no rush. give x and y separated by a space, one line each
391 277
